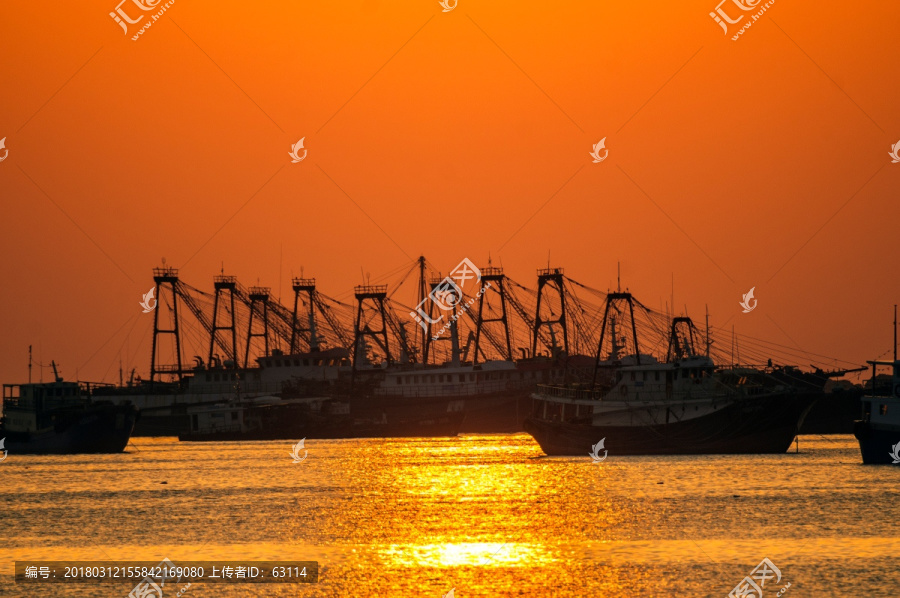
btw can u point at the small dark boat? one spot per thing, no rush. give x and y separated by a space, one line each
878 432
60 418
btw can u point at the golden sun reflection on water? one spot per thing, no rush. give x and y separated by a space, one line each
487 515
482 554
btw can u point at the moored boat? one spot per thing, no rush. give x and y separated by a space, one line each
878 432
638 405
60 417
691 410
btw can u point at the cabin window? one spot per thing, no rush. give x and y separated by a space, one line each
208 377
883 409
632 376
234 416
305 362
216 377
471 377
656 376
416 379
399 379
296 362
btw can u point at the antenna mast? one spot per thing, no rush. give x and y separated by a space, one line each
707 330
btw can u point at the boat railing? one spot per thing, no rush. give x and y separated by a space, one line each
586 394
454 389
579 394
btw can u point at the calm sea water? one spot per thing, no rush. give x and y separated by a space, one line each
483 515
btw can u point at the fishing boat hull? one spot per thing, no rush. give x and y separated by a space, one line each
496 414
876 443
325 418
447 426
100 429
396 417
756 425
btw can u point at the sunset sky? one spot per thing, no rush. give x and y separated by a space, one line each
761 162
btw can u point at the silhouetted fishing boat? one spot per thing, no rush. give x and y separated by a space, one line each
878 432
641 406
60 417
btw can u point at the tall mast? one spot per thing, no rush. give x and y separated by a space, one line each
707 330
423 347
732 345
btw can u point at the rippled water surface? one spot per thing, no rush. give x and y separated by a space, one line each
484 515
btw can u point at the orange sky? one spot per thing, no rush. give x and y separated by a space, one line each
450 130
